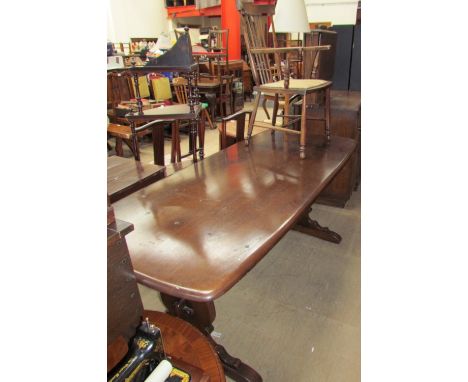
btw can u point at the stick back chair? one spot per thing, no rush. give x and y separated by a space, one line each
272 77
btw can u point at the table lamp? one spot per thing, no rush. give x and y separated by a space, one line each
291 17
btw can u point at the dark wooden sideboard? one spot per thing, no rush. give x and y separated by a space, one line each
345 121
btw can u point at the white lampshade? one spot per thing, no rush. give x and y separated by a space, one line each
291 16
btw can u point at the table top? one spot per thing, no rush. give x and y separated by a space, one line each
198 232
126 175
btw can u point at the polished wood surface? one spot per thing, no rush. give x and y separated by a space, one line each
184 342
126 175
198 232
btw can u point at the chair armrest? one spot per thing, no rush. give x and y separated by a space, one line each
236 115
239 117
149 124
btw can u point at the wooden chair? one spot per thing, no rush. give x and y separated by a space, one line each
218 42
130 135
271 83
224 95
118 89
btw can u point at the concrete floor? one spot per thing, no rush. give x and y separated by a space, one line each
296 315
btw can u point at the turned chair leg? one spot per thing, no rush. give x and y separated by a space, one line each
275 109
265 108
327 114
253 116
302 144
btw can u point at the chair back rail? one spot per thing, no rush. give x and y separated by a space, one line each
255 29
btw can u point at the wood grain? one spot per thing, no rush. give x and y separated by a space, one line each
125 176
198 232
183 341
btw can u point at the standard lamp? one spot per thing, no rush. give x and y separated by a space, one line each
291 17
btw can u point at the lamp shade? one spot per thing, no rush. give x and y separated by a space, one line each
291 16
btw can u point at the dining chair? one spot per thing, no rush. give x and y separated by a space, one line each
272 76
129 135
224 94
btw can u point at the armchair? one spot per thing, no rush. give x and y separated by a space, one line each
273 80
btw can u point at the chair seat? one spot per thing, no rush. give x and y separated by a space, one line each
119 131
300 85
124 131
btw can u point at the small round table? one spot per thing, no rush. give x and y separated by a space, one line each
183 341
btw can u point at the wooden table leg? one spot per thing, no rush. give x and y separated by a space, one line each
313 228
158 144
201 315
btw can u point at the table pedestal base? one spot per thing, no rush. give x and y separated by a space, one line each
313 228
201 315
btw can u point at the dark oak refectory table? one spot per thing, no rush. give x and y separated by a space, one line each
198 232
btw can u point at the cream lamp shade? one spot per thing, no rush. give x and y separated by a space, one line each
291 16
